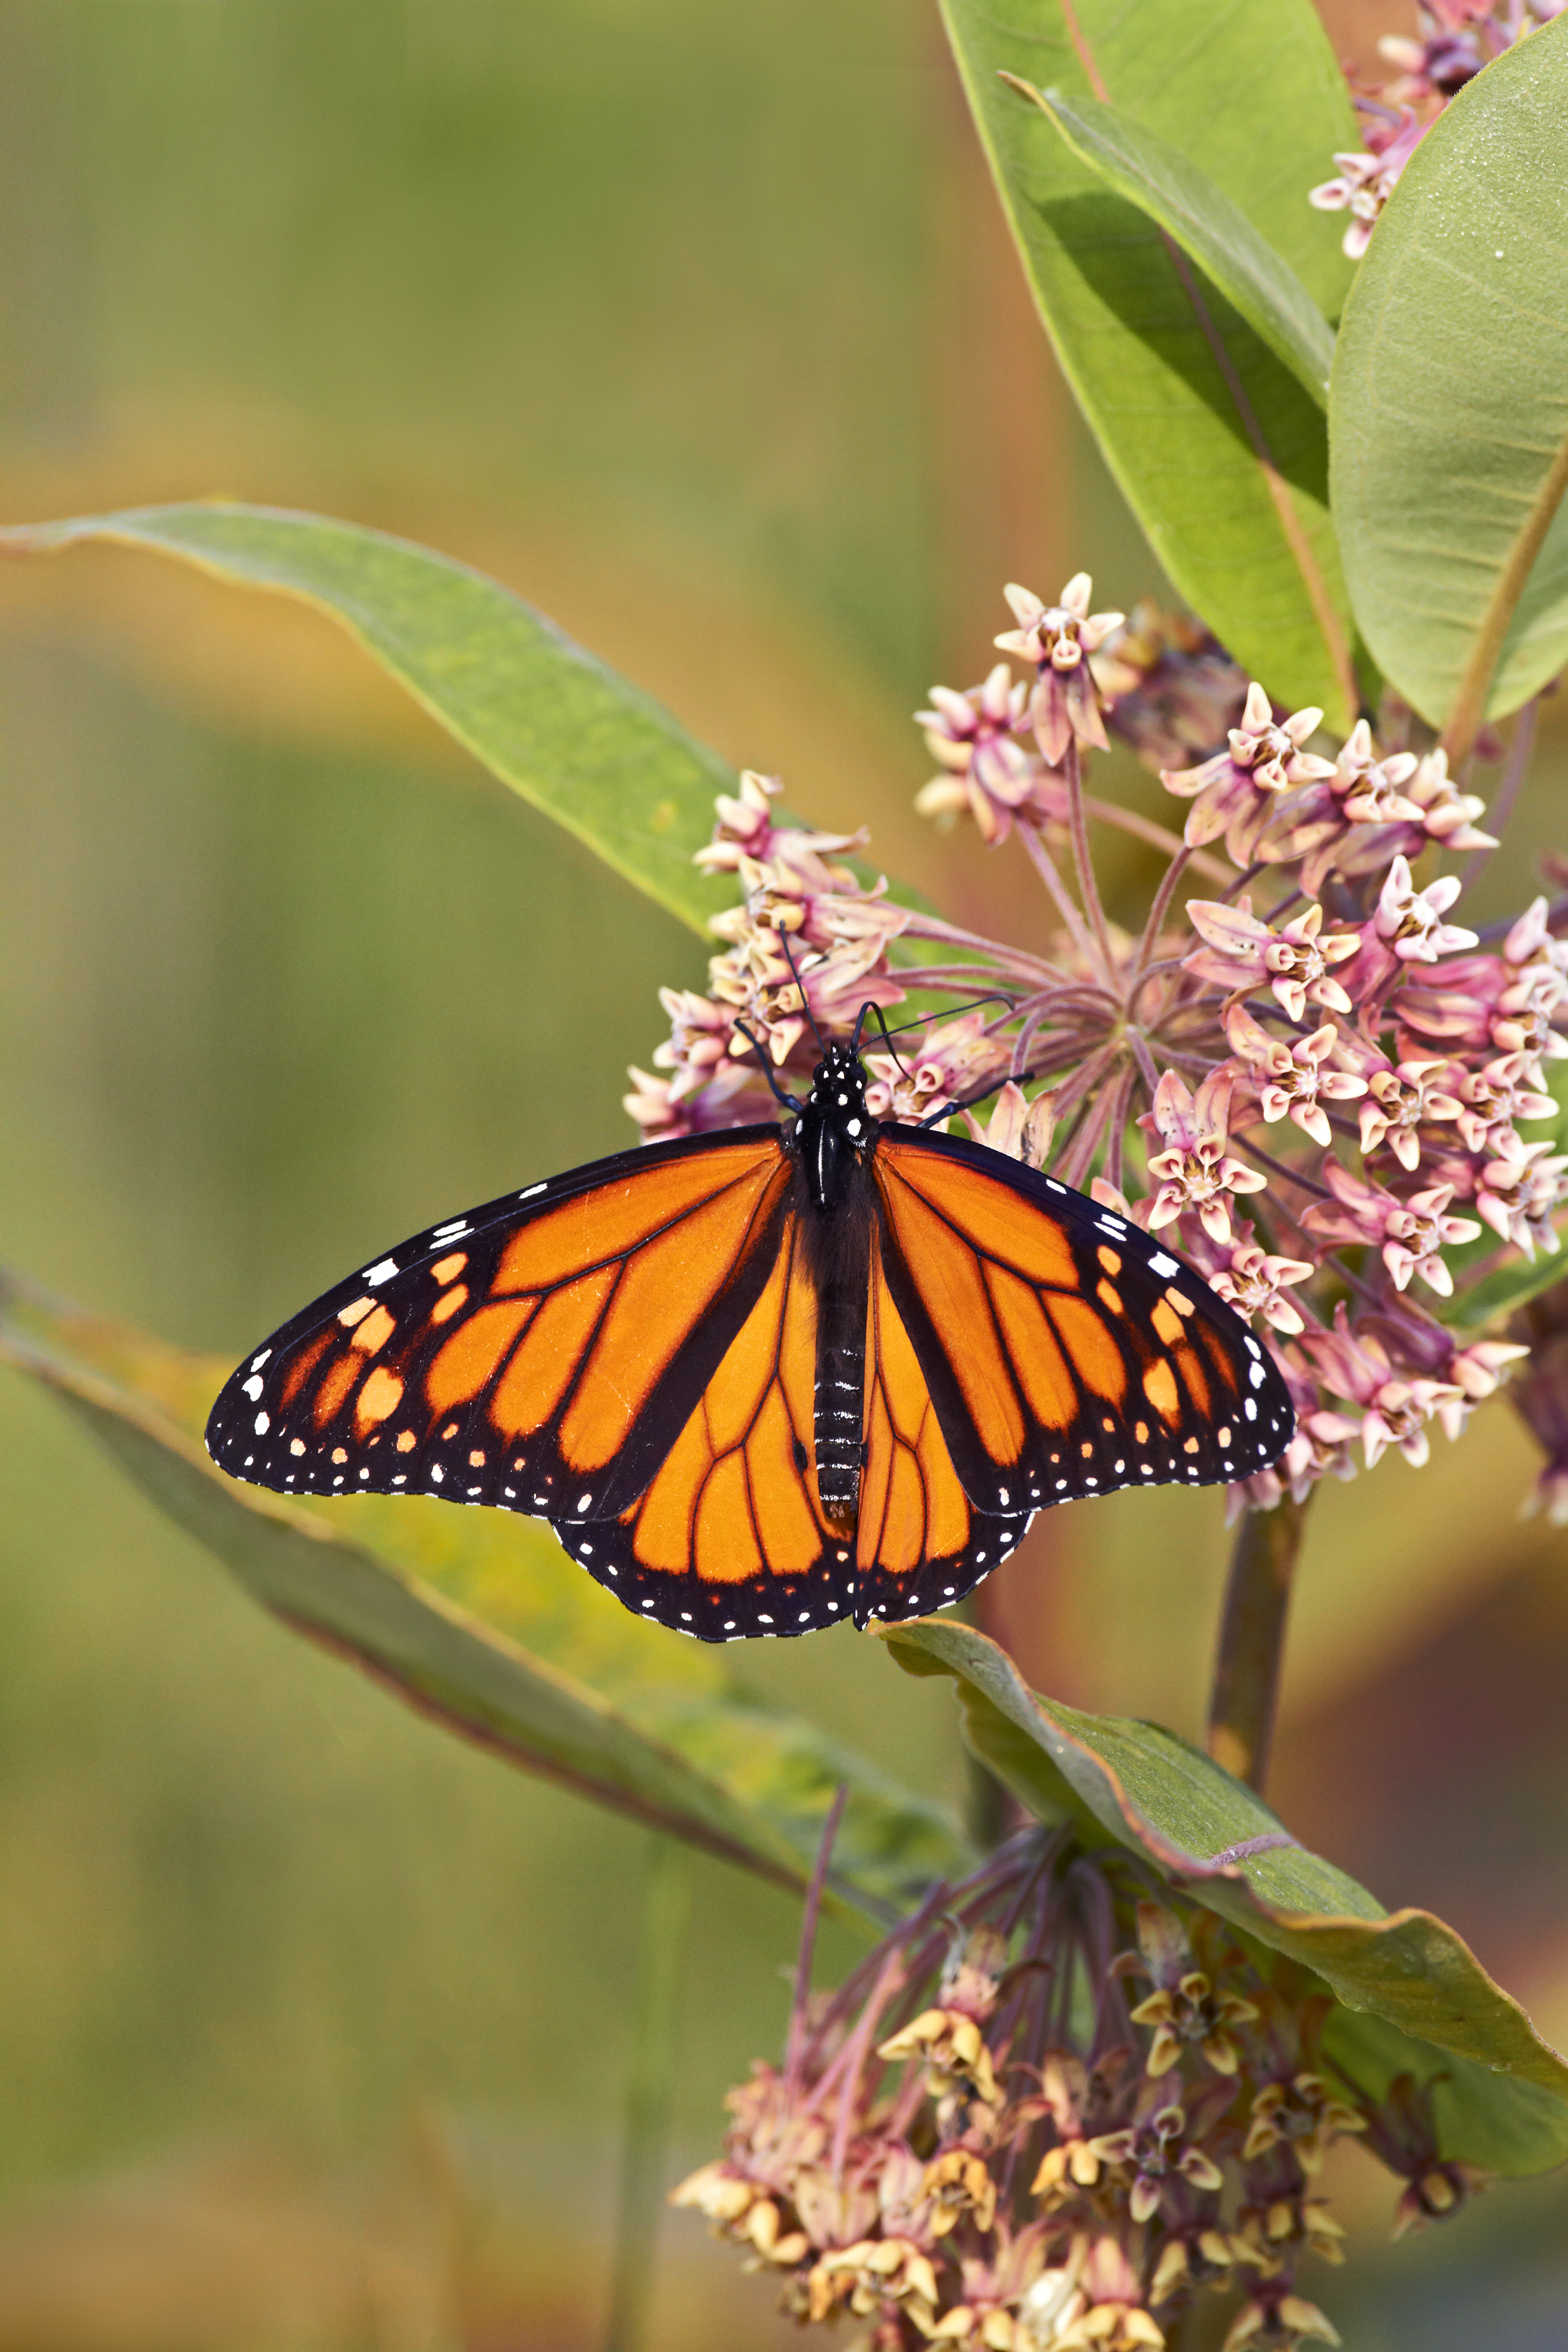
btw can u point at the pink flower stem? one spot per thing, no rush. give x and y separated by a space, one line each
1508 791
1045 867
1245 1690
1291 1175
1120 1103
1158 912
1146 973
1087 887
1145 1059
1158 836
797 2045
922 926
1079 1157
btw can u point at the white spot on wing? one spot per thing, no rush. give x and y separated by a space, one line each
253 1388
382 1272
1161 1265
532 1190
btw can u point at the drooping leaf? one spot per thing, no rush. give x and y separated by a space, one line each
1178 194
1217 449
1450 403
1217 1842
479 1620
550 719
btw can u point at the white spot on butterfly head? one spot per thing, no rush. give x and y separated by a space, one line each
383 1272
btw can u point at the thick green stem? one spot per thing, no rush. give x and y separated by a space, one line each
666 1906
1252 1640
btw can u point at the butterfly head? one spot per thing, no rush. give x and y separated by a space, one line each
834 1129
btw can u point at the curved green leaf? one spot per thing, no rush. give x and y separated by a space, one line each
553 722
1218 451
479 1620
1178 195
1450 403
1218 1842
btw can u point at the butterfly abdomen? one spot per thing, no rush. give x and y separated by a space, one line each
832 1143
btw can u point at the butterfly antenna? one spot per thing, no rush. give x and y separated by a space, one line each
995 997
888 1034
783 938
758 1048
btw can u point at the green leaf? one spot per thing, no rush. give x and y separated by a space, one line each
1450 403
479 1620
1217 449
1218 1843
553 722
1178 194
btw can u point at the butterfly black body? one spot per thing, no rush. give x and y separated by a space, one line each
771 1378
831 1146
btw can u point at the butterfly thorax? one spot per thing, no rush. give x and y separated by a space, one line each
831 1146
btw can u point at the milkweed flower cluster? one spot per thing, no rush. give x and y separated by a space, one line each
1455 40
1051 2112
1310 1074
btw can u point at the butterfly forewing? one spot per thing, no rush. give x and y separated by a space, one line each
1067 1352
542 1352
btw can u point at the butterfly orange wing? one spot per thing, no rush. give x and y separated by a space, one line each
729 1540
1067 1351
542 1352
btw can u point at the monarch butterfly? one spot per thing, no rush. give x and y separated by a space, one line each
766 1379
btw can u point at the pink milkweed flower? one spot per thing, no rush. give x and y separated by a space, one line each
1240 951
1289 1078
1447 814
1235 792
1195 1170
1021 1129
1168 685
1412 1232
1519 1192
986 771
954 1060
1254 1283
1369 789
1065 703
1411 920
1403 1098
1355 1365
1493 1099
1365 181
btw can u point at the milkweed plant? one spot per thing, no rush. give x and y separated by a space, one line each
1085 2081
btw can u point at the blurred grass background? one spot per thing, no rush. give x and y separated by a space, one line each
696 325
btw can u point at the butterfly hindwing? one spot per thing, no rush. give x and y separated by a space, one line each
1068 1353
542 1352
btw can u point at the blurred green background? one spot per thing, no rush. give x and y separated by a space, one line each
695 324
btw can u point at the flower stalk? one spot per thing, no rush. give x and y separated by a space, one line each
1253 1623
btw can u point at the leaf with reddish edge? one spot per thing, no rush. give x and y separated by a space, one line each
1406 1982
479 1620
1218 451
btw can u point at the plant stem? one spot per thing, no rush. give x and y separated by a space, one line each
667 1902
1252 1640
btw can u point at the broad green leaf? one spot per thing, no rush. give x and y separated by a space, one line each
1450 403
550 720
1217 449
1178 195
479 1620
1218 1842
